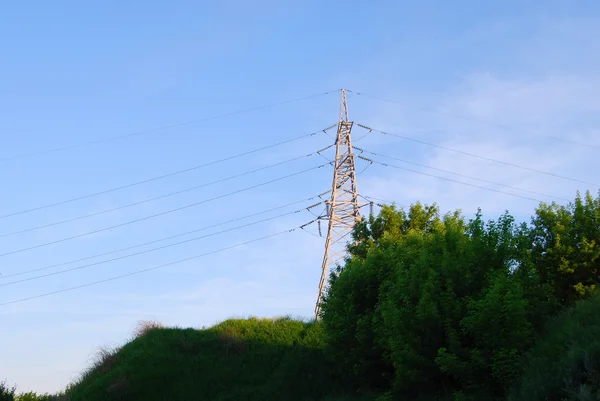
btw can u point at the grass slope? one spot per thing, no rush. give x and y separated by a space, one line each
254 359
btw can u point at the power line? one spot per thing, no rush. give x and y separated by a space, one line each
152 249
458 174
164 175
448 179
501 126
163 128
369 198
478 156
161 239
159 214
155 198
308 232
148 269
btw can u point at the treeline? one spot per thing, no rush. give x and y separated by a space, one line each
432 307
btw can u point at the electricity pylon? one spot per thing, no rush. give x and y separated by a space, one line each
343 210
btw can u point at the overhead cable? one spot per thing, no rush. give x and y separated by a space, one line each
490 123
6 276
448 179
162 128
159 214
478 156
155 198
458 174
159 177
148 269
151 249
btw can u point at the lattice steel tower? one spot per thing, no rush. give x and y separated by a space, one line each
343 210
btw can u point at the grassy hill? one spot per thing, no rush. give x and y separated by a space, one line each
427 307
254 359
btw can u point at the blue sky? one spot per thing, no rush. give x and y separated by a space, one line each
73 72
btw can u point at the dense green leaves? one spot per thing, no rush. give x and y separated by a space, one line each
10 394
565 363
7 393
35 397
565 249
435 306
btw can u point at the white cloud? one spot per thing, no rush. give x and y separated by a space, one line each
522 101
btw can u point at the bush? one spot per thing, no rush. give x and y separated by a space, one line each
565 249
7 393
565 363
428 306
31 396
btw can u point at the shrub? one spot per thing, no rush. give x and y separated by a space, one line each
31 396
7 393
427 306
565 362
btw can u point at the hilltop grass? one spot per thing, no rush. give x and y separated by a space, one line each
240 359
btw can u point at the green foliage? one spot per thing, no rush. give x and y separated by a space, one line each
350 309
565 363
405 308
254 359
10 394
31 396
7 393
367 397
433 306
565 249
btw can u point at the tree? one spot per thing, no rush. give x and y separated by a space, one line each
7 393
415 300
565 362
350 313
566 249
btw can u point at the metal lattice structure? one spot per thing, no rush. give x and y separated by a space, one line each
343 209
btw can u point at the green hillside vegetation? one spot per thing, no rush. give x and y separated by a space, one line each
235 360
427 307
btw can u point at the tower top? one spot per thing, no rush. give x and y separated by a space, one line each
344 108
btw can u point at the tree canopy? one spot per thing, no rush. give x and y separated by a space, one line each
431 305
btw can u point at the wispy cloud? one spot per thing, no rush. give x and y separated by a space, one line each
540 106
